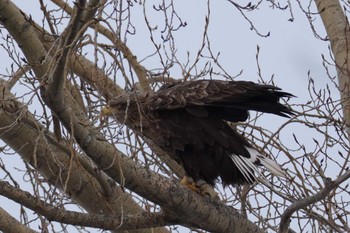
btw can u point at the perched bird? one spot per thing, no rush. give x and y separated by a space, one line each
189 121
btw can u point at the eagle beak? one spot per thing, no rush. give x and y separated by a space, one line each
106 111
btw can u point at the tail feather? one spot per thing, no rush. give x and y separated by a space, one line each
272 166
246 167
249 166
268 163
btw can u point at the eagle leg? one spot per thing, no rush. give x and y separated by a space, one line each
200 187
189 183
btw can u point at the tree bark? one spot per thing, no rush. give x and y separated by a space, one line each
9 224
337 27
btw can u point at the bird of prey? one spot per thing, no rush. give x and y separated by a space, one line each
189 120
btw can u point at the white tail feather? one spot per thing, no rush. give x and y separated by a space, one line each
248 166
268 163
240 162
272 166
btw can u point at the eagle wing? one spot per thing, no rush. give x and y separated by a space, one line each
228 100
187 121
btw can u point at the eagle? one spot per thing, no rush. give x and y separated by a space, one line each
191 122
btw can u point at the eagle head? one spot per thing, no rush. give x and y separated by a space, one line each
127 108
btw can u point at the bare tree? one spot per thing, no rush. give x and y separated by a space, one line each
68 168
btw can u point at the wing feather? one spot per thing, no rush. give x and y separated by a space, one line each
223 97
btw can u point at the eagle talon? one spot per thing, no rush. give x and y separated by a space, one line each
201 187
189 183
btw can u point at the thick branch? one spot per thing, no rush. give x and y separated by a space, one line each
10 224
337 27
14 21
102 221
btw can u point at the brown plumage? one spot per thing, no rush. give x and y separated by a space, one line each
188 121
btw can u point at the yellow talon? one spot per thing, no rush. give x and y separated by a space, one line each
188 182
200 187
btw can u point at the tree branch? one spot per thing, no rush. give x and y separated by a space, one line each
102 221
10 224
304 203
337 27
